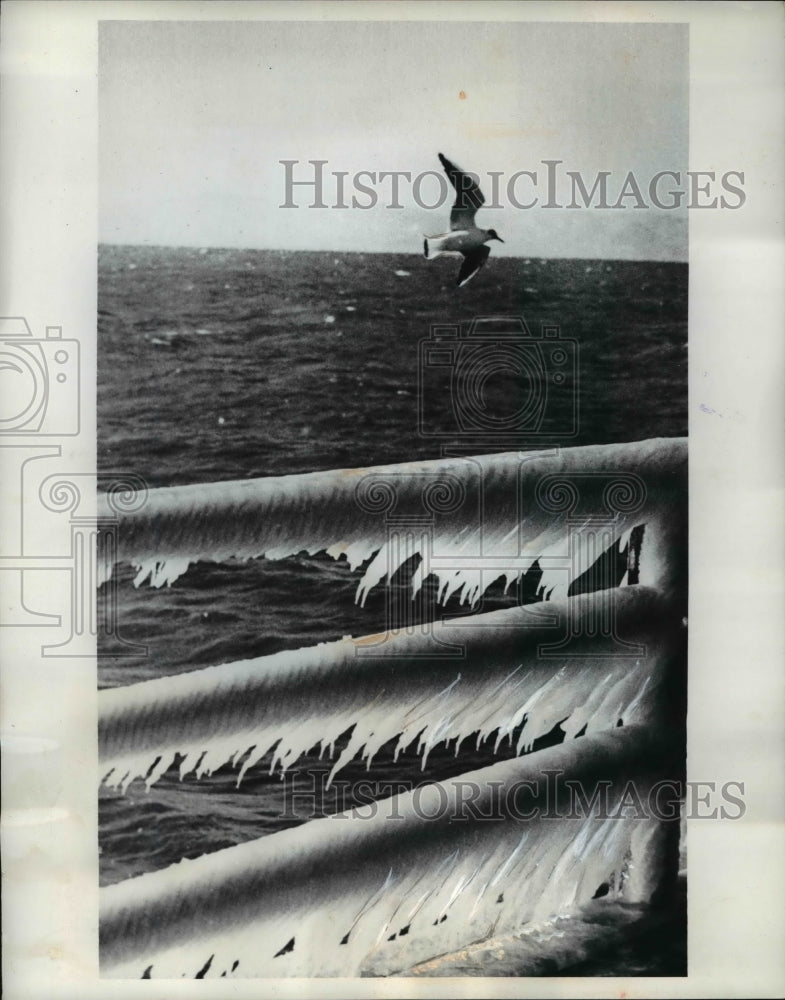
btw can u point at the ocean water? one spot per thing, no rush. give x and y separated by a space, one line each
230 364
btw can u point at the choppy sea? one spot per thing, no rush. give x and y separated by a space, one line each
229 364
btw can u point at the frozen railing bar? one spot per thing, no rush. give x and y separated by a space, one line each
507 504
378 888
482 674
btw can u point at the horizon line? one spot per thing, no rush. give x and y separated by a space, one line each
391 253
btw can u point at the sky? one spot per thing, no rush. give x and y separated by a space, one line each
196 117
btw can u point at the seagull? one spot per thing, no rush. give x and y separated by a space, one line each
464 237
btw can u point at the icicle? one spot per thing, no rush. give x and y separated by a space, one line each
373 895
216 715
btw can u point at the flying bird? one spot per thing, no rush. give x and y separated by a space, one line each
464 236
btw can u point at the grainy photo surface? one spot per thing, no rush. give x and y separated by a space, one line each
392 417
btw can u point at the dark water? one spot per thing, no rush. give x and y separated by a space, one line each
222 365
227 364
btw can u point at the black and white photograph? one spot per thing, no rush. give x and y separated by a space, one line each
410 539
405 438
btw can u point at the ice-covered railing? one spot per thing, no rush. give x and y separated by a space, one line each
507 666
350 893
590 661
474 520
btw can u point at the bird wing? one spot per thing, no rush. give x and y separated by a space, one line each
472 264
468 199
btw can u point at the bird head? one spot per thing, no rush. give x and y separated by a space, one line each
493 235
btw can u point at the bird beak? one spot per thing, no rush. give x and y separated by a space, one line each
499 239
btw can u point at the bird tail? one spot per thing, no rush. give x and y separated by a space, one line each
433 246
